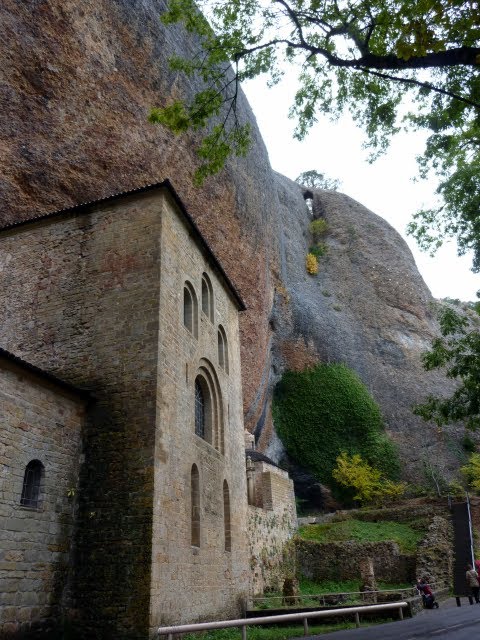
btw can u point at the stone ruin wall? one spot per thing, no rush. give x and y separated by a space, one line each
341 560
272 522
434 556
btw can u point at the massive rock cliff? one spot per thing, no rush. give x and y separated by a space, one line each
77 83
367 307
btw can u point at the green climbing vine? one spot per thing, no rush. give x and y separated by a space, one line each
322 411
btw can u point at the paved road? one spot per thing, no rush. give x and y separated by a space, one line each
454 623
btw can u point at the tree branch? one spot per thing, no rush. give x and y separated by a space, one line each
418 83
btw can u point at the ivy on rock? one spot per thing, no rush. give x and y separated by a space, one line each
323 411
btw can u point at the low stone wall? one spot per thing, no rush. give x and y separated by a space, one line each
340 560
406 513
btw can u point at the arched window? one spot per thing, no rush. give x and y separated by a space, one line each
207 297
199 409
32 482
222 348
226 517
190 309
195 505
208 406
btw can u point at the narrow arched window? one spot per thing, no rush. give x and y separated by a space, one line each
222 348
195 505
199 410
207 297
226 517
207 407
32 482
190 309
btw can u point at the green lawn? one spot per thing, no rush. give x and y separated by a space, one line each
309 587
404 535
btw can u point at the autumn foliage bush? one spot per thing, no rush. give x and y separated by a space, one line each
368 484
311 264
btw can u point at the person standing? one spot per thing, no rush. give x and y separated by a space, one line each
471 577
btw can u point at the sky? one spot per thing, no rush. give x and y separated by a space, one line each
386 187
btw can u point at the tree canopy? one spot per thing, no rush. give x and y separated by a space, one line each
314 180
458 351
361 56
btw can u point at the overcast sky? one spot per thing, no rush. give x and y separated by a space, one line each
385 187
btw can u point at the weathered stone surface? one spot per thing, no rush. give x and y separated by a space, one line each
339 561
435 555
271 523
368 307
73 127
114 312
41 422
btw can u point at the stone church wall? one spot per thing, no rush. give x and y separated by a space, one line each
39 422
79 296
205 581
95 296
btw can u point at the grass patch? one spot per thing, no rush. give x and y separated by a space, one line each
270 633
404 535
309 587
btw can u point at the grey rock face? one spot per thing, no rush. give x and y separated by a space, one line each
367 307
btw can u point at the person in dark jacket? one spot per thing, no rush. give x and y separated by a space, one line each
427 594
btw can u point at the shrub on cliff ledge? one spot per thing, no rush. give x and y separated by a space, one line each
367 483
311 264
323 411
471 472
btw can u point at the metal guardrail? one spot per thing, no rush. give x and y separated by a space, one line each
243 623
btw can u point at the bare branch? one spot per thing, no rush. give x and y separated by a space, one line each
418 83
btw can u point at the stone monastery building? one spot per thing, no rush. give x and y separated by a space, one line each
123 485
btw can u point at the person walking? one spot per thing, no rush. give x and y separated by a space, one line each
471 577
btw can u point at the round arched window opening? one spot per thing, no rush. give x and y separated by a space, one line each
207 297
203 409
222 348
199 410
208 406
32 484
190 309
226 517
195 506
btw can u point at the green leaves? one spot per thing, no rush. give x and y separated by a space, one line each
471 471
363 57
366 482
217 146
323 411
458 351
